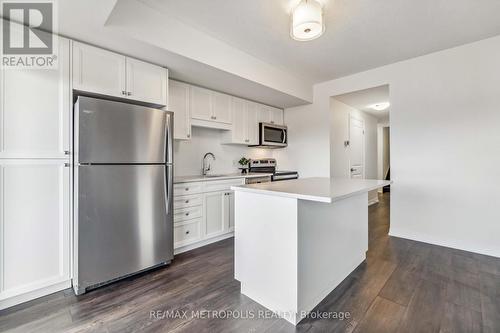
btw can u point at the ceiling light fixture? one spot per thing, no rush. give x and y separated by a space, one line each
380 106
307 21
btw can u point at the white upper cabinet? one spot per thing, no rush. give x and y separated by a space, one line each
98 71
201 103
245 127
107 73
269 114
35 227
178 102
239 130
221 108
276 116
252 123
146 82
35 110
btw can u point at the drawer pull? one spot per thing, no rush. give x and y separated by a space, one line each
187 232
187 189
187 214
187 201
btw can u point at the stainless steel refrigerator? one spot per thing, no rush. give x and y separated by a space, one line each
122 191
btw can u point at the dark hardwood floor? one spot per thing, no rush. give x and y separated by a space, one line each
404 286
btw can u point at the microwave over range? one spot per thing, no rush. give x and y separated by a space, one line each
272 136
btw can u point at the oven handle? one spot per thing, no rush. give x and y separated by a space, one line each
284 136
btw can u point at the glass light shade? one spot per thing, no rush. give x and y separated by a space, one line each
307 21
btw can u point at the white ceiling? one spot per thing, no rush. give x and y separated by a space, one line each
360 34
363 99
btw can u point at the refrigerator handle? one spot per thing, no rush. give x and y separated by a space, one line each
169 186
169 138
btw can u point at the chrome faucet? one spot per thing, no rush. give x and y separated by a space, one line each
205 167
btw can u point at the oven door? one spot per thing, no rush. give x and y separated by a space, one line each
273 135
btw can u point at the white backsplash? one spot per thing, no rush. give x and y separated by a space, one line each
188 155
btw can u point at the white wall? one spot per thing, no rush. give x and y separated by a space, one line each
188 155
445 143
339 154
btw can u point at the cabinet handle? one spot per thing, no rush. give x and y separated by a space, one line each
272 122
187 189
187 232
124 92
189 135
129 93
187 201
66 152
187 214
66 165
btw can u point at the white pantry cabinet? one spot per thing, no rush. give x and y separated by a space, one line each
35 117
178 102
103 72
34 228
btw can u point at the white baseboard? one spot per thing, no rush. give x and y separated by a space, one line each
372 201
202 243
444 243
15 300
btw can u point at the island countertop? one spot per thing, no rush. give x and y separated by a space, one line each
315 189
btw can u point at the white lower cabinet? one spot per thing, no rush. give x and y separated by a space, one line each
34 229
206 216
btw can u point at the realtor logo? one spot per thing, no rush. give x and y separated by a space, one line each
27 34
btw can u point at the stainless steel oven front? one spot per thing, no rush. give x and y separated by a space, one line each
272 135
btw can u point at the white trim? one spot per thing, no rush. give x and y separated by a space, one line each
204 242
15 300
373 201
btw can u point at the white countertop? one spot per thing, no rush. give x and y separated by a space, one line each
201 178
315 189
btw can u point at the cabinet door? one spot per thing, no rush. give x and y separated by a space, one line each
98 71
221 108
252 124
146 82
35 110
201 103
178 102
276 116
239 128
263 113
34 225
216 213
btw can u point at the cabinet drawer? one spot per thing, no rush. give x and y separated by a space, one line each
188 201
189 213
223 185
187 188
187 232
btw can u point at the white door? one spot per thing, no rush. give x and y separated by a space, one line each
146 82
216 213
252 124
201 103
239 128
221 108
98 71
357 147
34 226
178 102
35 110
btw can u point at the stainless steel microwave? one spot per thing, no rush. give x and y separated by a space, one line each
272 136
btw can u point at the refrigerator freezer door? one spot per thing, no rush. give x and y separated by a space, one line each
123 222
115 132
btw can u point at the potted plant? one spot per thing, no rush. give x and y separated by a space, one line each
243 162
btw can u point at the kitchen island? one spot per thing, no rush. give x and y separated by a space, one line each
296 240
